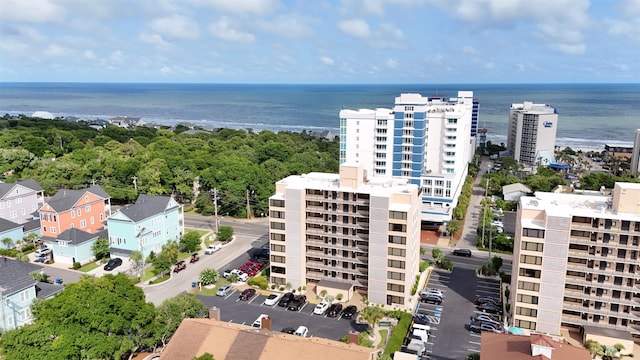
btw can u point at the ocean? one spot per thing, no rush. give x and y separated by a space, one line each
590 115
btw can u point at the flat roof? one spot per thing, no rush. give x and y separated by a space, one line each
335 285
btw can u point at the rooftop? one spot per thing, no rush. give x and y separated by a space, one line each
64 199
14 275
518 347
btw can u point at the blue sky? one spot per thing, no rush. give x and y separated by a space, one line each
349 41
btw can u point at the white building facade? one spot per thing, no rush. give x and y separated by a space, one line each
426 140
349 229
531 137
635 157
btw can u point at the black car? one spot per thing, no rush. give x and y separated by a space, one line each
488 300
288 330
462 252
349 311
490 308
431 299
112 264
334 310
247 294
297 303
286 299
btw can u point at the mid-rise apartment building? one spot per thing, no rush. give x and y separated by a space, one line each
635 156
426 140
576 261
531 136
358 232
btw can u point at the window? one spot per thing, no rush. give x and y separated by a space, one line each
277 259
24 315
395 275
530 273
401 215
44 229
524 324
53 230
397 227
279 248
87 208
24 211
63 243
277 225
277 203
527 285
397 239
101 217
396 264
277 237
73 214
13 214
528 245
395 287
529 259
276 214
529 299
79 211
397 252
395 300
83 223
91 220
535 233
18 200
25 295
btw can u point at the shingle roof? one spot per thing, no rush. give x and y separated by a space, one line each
76 236
6 225
45 290
14 275
64 199
31 225
146 206
31 184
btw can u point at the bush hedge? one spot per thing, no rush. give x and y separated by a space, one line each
259 281
398 333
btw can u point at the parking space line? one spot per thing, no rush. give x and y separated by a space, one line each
474 342
473 350
305 304
228 296
255 297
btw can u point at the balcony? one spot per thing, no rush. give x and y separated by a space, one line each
572 320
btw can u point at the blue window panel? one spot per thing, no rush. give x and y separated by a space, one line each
436 199
420 115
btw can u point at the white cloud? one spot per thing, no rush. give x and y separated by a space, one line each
176 26
89 55
54 50
165 70
241 7
490 65
628 22
520 67
224 29
470 50
356 28
291 26
327 60
392 64
155 39
116 57
577 49
33 11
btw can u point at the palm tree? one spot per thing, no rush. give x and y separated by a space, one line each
594 348
233 278
372 315
453 227
8 242
32 237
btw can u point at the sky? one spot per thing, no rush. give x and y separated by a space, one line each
320 41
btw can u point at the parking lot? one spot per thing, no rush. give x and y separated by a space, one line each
484 287
245 312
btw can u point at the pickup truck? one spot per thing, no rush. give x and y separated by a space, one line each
241 276
213 248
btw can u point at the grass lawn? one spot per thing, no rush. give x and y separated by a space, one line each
383 337
397 334
90 266
209 292
364 339
160 279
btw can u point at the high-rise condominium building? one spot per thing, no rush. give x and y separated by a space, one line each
426 140
531 137
346 231
635 157
575 261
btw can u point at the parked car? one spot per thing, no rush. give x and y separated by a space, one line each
179 266
483 326
224 290
194 258
43 252
488 299
258 322
241 275
301 331
334 310
349 311
487 318
213 248
247 294
431 291
321 308
286 299
490 308
431 299
272 299
462 252
112 264
288 330
226 273
297 303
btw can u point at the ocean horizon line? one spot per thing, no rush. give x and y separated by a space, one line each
313 84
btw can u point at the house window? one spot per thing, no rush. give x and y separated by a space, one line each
24 211
63 243
86 198
91 220
83 223
25 295
101 217
79 211
1 205
24 315
18 200
44 229
73 214
8 203
13 214
53 230
87 208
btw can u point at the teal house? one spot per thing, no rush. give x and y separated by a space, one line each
145 226
73 245
10 233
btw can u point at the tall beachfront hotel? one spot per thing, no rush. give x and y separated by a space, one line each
531 136
576 262
346 233
426 140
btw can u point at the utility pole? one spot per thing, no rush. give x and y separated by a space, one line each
215 206
248 206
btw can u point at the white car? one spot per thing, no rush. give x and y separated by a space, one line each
272 299
213 248
241 276
321 308
302 331
258 322
431 291
497 224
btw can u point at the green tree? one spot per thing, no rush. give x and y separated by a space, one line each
161 263
205 356
136 258
453 227
496 263
22 257
100 248
190 241
172 311
171 250
32 238
594 347
233 278
372 315
112 320
437 255
7 242
208 276
39 276
225 233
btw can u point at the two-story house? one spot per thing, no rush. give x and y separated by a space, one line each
146 225
72 219
17 292
19 200
12 231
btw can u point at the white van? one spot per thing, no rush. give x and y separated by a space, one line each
302 331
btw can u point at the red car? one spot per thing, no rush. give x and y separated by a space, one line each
247 294
180 265
248 270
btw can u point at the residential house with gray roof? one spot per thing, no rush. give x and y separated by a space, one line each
19 200
12 231
146 225
73 245
18 290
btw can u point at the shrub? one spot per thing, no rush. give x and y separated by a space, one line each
339 297
424 265
259 281
446 264
396 314
397 334
28 248
507 307
414 289
76 265
225 233
9 252
323 293
282 288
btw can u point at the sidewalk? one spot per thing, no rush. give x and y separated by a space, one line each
472 217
